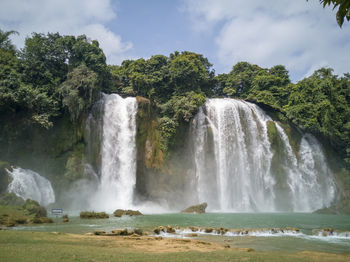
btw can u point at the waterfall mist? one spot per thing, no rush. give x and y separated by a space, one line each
233 162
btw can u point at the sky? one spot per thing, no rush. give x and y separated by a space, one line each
299 34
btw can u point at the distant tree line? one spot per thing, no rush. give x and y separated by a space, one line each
55 75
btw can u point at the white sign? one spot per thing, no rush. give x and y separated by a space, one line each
57 211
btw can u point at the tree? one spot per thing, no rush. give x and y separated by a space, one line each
79 91
239 81
191 72
5 41
343 9
321 104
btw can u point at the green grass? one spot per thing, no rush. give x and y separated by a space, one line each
39 246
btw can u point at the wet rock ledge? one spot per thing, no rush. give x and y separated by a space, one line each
196 209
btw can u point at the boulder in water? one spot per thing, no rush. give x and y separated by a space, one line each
122 232
209 230
99 232
197 209
92 214
159 229
170 229
138 231
194 229
129 212
65 218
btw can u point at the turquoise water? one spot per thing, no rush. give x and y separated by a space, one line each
305 240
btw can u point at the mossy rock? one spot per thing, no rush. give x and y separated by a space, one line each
294 136
4 176
138 231
41 220
33 208
92 214
75 163
65 218
342 207
99 232
129 212
159 229
271 131
196 209
170 229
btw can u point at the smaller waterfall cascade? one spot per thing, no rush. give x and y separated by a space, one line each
234 158
29 184
308 177
118 153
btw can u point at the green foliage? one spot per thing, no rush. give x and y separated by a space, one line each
11 199
177 85
33 208
317 104
239 81
159 78
50 73
5 41
190 72
343 9
320 104
79 91
183 108
56 75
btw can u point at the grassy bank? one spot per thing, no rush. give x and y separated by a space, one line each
37 246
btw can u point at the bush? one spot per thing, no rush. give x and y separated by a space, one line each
33 208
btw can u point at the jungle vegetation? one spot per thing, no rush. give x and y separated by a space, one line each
55 76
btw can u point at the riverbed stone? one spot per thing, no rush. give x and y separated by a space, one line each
196 209
170 229
99 232
129 212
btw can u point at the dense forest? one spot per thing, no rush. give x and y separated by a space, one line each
56 75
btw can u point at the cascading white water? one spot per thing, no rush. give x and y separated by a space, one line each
118 154
29 184
309 179
231 136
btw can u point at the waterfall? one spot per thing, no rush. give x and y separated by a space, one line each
309 178
29 184
233 160
118 154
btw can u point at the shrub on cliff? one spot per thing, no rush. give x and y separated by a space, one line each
33 208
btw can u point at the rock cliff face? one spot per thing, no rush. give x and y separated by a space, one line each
56 153
160 177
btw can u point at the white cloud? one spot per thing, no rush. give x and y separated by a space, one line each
68 17
299 34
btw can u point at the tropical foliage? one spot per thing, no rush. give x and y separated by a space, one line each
319 104
54 76
343 9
